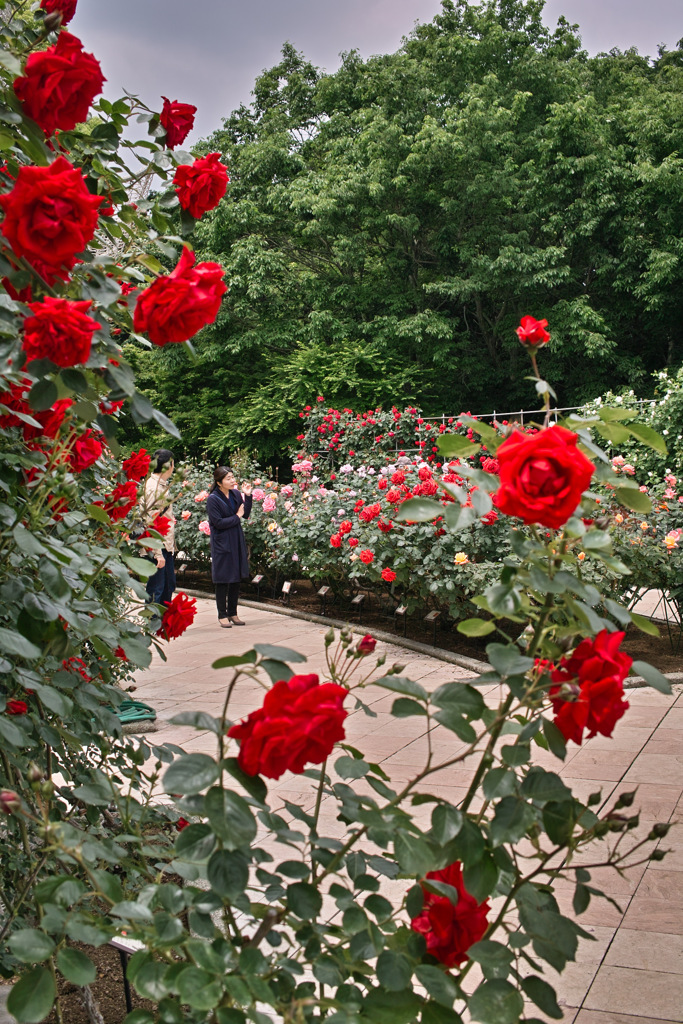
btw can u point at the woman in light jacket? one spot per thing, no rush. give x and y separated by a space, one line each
226 507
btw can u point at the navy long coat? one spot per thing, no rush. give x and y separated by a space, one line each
229 562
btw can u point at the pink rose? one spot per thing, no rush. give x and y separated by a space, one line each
204 527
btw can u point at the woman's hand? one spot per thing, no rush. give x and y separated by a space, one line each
246 487
161 561
240 511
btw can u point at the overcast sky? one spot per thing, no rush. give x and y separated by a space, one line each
208 52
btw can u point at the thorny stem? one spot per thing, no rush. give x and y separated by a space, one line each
316 813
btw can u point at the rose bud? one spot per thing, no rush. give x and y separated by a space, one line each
659 830
366 645
35 773
9 801
52 21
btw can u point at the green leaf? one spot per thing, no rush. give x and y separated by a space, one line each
191 773
543 995
304 900
438 983
351 767
634 499
31 998
197 719
446 823
42 395
413 854
542 786
405 707
556 741
279 653
394 970
559 820
97 513
452 719
231 660
76 966
31 946
499 782
382 1007
276 670
648 436
652 676
476 627
507 659
456 445
230 817
397 684
14 643
228 873
489 953
496 1002
195 843
435 1013
644 624
419 510
140 566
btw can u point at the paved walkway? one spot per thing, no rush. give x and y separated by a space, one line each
633 973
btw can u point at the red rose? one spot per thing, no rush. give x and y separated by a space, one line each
50 217
366 644
121 500
77 666
299 724
85 451
385 527
50 420
67 8
489 465
382 484
16 707
201 185
335 540
176 307
589 691
353 542
136 465
369 512
388 575
532 332
490 518
542 477
9 801
345 527
398 477
366 556
449 930
178 121
120 654
181 823
393 496
179 614
59 330
162 524
59 84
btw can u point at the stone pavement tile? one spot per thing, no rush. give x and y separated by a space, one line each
645 696
654 915
663 885
630 738
641 716
648 951
664 768
608 1017
674 718
640 993
610 881
665 741
599 912
601 765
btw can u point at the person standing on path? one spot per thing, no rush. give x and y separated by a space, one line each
226 507
157 502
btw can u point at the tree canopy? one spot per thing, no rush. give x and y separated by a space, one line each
387 225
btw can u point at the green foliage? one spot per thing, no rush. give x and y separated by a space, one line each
388 224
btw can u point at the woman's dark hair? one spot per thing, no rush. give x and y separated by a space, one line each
220 473
162 456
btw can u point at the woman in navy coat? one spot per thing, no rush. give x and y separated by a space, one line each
226 507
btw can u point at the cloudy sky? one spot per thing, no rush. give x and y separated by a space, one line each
208 52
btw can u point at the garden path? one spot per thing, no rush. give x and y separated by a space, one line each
633 972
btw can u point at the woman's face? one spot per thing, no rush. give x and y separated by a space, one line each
228 482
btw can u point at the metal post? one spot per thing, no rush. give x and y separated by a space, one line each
126 984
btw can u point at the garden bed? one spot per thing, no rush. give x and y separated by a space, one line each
658 651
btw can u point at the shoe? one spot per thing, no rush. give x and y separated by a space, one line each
225 625
236 622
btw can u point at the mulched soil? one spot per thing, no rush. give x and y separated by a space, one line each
663 652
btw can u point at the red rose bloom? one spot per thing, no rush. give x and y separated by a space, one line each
532 332
85 451
77 666
366 556
385 527
299 724
50 217
16 707
449 930
393 496
201 186
542 477
335 540
121 500
59 330
59 84
178 121
388 575
366 644
136 465
345 527
353 542
179 614
181 823
50 420
489 465
67 8
176 307
589 690
162 524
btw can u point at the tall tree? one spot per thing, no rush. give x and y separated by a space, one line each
387 225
